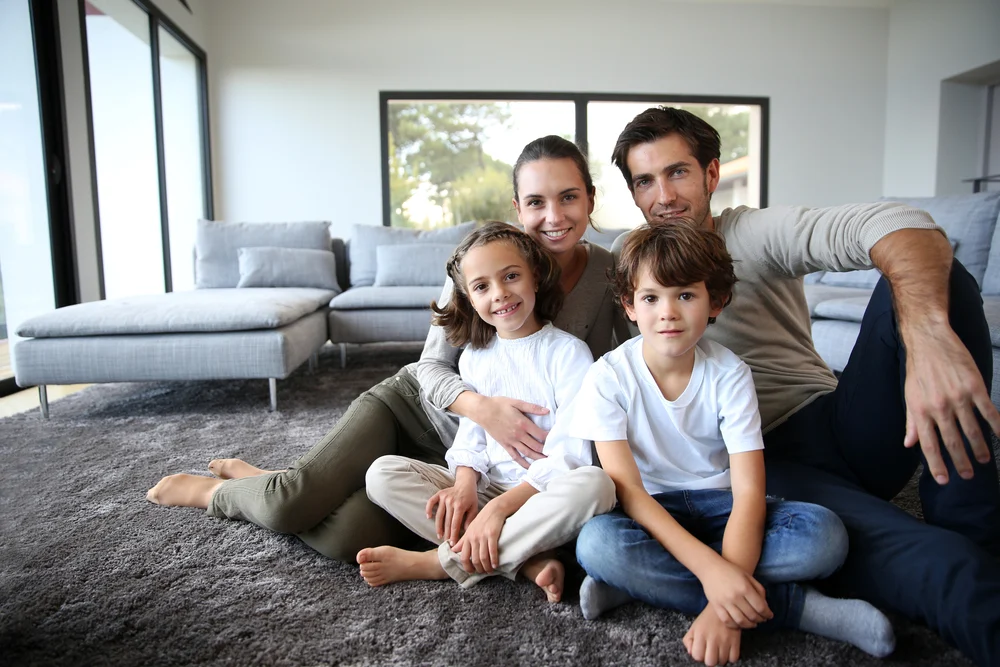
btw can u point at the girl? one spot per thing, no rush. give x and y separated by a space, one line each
321 497
506 288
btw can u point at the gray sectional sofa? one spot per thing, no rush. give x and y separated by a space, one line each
837 301
268 296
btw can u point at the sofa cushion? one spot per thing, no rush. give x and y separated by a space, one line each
217 244
358 298
365 239
862 279
850 310
970 220
412 264
991 306
817 294
287 267
227 309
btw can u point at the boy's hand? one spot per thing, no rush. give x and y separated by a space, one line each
456 508
710 641
478 546
736 598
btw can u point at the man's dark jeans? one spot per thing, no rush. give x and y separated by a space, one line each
845 451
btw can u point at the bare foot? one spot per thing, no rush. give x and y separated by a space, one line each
183 491
234 469
385 565
548 573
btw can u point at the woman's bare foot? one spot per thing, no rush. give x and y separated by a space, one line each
385 565
548 573
183 491
234 469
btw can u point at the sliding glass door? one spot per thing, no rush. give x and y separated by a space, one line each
150 143
27 278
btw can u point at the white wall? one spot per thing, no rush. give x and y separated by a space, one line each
295 85
931 41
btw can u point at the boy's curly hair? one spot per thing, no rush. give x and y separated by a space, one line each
677 254
459 319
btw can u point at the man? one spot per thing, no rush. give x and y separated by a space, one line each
918 375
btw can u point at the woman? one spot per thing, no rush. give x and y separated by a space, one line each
321 498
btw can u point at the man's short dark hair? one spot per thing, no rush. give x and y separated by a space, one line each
659 122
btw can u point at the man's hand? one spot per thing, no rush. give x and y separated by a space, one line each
453 510
943 389
504 419
708 640
478 546
736 598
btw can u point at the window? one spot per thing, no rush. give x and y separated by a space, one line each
146 86
36 265
448 157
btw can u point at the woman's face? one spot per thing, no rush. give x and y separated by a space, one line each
553 203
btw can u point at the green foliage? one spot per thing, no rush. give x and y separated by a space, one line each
441 144
482 195
733 128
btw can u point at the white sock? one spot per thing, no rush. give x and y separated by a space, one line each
853 621
597 598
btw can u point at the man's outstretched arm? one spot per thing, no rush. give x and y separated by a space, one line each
943 385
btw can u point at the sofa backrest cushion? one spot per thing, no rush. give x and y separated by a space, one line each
365 239
970 220
412 264
217 245
268 266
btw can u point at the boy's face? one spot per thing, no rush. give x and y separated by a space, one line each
671 319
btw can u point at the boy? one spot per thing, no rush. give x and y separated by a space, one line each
674 418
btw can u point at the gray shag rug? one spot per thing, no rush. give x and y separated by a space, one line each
92 574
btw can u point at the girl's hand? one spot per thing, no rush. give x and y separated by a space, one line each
506 420
456 508
710 641
478 546
737 599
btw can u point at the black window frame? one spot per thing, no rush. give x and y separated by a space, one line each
52 110
157 20
581 100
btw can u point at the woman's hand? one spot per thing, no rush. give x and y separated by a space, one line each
480 553
455 507
505 419
736 598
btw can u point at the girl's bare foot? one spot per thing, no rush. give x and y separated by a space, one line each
234 469
548 573
183 491
385 565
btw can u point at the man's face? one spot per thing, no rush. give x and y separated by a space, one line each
668 184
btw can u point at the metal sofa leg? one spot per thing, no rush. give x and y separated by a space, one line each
313 361
43 401
272 384
343 355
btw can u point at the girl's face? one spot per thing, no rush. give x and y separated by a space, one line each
553 203
501 287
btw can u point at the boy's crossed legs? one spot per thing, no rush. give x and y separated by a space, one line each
547 520
801 542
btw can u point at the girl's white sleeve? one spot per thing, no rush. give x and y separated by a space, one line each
563 451
469 450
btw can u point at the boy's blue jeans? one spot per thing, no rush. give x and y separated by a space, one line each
802 541
845 451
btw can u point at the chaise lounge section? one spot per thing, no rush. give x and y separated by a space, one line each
259 312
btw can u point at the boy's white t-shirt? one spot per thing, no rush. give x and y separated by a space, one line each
680 444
